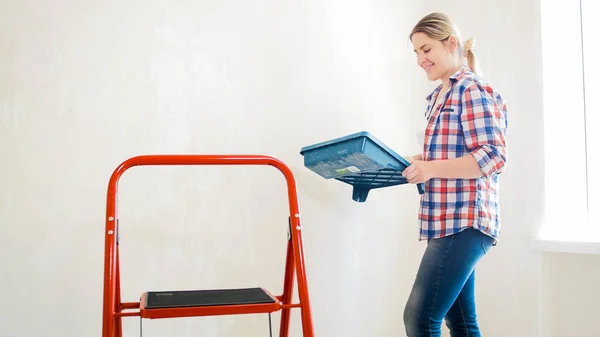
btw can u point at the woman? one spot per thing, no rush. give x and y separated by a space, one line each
464 151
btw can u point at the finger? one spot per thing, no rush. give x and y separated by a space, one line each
415 179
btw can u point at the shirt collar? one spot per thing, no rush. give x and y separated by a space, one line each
460 73
453 78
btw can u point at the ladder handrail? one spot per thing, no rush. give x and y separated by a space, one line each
111 277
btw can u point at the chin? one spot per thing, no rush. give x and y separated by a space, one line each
432 77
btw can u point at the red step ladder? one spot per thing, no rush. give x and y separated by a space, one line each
192 303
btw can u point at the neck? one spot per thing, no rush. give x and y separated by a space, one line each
446 78
445 83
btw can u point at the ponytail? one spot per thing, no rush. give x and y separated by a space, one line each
470 55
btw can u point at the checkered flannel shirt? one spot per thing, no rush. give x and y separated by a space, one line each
472 120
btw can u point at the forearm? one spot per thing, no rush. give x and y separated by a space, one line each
460 168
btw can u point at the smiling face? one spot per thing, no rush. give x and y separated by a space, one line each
436 57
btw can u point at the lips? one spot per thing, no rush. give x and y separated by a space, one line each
428 66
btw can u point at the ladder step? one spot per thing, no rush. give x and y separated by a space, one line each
204 298
190 303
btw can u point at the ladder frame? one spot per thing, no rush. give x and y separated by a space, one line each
114 310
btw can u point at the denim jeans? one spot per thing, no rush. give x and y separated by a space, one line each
444 287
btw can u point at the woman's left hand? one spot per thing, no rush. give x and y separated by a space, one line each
418 172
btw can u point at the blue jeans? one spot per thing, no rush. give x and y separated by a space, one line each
445 286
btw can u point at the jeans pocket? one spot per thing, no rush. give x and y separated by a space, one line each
486 243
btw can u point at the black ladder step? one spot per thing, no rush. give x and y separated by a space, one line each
204 298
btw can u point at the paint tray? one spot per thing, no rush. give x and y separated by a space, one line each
359 160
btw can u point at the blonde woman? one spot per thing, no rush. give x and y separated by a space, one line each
464 151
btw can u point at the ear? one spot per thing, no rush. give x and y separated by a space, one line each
452 44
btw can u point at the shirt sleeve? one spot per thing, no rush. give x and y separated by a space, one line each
483 122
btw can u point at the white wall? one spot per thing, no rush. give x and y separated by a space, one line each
521 292
570 296
85 85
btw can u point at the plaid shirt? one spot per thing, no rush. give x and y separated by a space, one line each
471 120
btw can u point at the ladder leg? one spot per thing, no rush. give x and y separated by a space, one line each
288 290
307 324
118 320
270 326
109 305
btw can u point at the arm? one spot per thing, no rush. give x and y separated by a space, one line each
460 168
483 125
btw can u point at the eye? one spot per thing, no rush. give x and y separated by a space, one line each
427 51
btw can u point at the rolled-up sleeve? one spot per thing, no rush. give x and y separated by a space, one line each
484 124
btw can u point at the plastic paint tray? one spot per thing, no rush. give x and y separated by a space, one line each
359 160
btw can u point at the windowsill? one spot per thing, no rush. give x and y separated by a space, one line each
580 236
564 246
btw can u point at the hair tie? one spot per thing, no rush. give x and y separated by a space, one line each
469 44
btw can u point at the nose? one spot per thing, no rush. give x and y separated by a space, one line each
420 60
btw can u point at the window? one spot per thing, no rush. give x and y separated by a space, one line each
571 118
590 27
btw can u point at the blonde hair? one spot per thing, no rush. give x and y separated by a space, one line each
440 27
